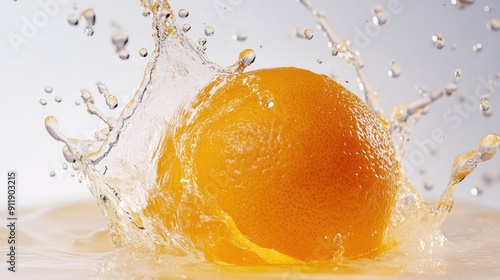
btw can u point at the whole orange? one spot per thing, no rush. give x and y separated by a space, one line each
276 166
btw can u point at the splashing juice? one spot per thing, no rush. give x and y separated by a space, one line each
211 185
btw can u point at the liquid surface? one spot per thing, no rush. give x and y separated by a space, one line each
83 250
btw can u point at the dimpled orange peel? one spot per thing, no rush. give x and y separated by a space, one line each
276 166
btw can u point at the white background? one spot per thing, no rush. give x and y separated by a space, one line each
62 56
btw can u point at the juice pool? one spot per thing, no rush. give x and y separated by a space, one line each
452 264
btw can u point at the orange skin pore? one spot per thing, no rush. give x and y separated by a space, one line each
276 166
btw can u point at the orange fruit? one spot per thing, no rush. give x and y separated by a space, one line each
276 166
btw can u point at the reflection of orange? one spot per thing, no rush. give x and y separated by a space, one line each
276 166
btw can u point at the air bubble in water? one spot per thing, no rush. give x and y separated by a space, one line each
395 69
48 89
379 15
89 16
462 4
57 99
143 52
240 36
484 105
494 24
43 102
209 30
183 13
477 47
186 27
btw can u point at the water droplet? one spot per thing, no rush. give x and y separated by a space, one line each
450 88
484 105
477 47
183 13
75 166
494 24
111 100
57 99
186 27
43 102
428 184
73 19
438 40
89 16
209 30
52 173
48 89
64 166
123 54
308 34
143 52
454 46
335 50
240 36
87 96
270 104
72 174
379 15
488 112
395 69
487 8
440 43
422 91
77 102
119 38
477 190
462 4
319 61
80 180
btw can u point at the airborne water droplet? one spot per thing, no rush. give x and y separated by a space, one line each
484 105
428 184
209 30
487 8
186 27
73 19
395 69
477 190
308 34
477 47
64 166
52 173
57 99
319 61
43 102
462 4
143 52
240 36
89 16
379 15
438 40
494 24
183 13
48 89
